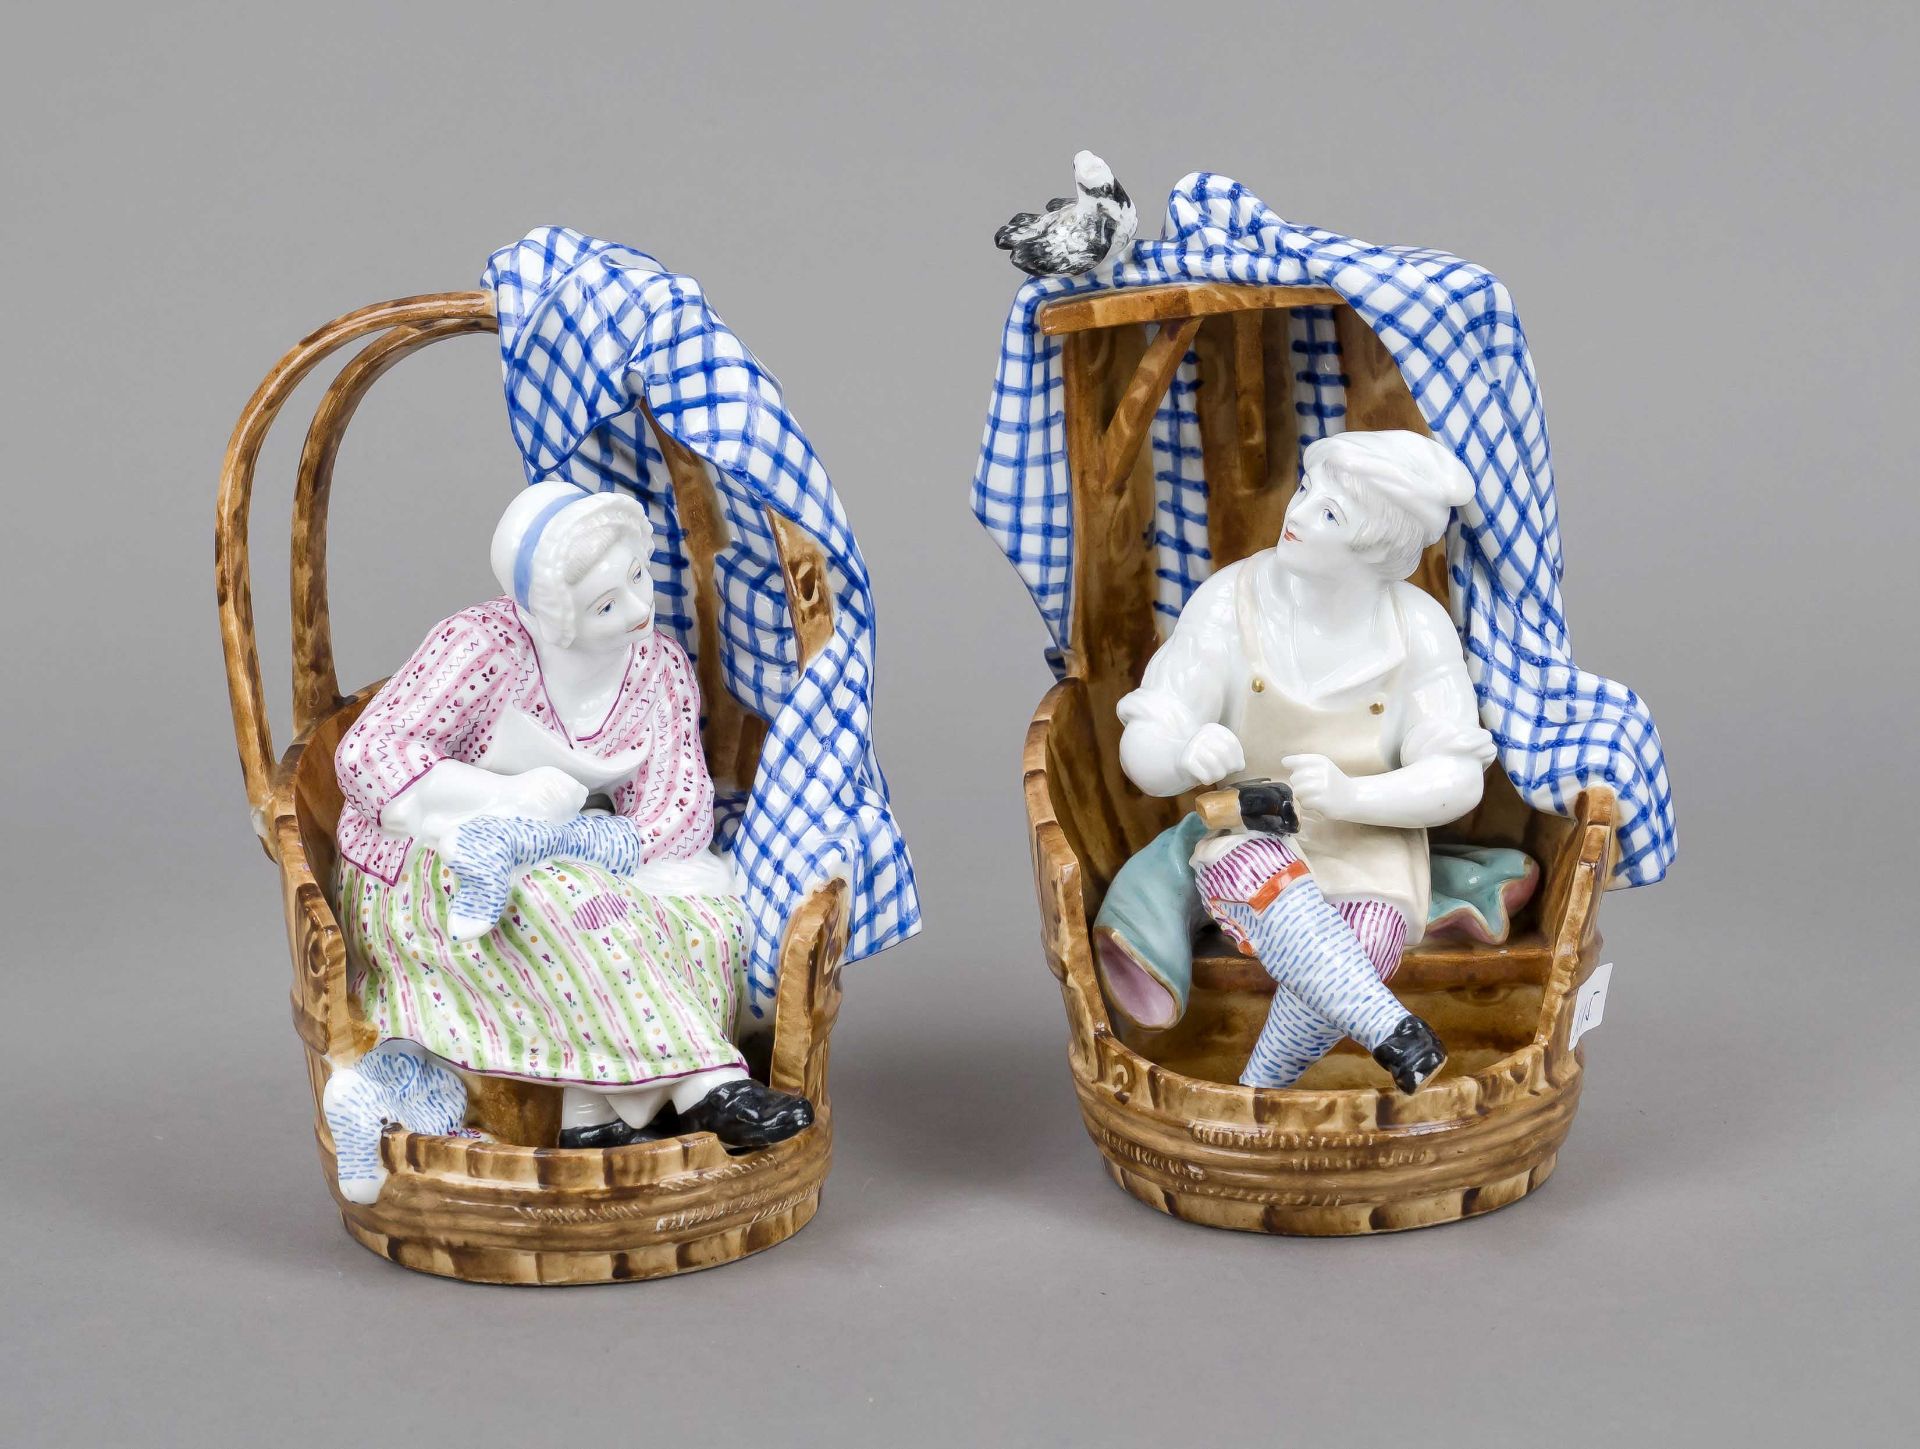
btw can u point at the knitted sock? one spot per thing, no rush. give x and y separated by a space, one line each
396 1082
490 850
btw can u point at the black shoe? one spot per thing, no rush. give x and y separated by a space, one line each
744 1115
601 1134
665 1124
1411 1055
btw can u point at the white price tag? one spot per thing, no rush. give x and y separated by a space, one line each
1591 1004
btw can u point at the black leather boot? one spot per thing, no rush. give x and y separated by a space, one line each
1411 1055
744 1115
1267 805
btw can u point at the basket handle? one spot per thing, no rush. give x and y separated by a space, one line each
421 320
410 323
316 685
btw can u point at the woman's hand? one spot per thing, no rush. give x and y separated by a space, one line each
543 793
1320 787
1213 753
454 792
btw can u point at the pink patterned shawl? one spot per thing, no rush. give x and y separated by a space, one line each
445 702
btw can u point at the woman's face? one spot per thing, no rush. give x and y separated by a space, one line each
613 600
1317 536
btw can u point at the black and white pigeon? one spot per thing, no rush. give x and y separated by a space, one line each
1078 233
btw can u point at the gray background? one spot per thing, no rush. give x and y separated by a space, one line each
1705 214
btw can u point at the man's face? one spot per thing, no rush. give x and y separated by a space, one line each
1316 539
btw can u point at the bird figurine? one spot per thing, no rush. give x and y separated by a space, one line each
1076 234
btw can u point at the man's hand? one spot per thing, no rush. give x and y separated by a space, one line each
1212 754
1320 787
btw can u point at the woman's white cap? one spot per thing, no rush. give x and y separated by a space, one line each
530 507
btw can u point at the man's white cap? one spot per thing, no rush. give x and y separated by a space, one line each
1414 471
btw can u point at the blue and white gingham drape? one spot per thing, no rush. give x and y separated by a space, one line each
589 329
1451 328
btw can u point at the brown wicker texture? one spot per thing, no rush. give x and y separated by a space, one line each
510 1210
1342 1152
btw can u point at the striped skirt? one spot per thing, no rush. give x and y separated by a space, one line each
585 980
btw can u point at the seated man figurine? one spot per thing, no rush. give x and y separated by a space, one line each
1316 665
490 915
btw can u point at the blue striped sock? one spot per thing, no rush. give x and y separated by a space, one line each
490 850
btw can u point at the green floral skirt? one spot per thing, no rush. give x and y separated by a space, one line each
586 979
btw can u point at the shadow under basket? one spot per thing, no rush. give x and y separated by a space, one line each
515 1209
1341 1152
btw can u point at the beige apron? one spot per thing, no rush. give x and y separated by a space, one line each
1351 862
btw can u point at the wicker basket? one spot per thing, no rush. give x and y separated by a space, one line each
510 1210
1341 1152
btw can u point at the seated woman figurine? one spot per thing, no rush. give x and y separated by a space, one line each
1314 664
495 919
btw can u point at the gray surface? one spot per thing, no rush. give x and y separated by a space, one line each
1706 224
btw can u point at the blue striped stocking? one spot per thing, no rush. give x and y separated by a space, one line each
1328 983
490 850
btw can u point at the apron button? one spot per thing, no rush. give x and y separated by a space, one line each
1259 685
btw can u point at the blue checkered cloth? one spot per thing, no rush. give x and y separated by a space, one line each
589 329
1451 328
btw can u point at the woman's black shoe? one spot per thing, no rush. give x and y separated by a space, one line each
1411 1055
743 1115
602 1134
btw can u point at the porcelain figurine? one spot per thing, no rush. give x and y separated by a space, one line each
1085 232
1149 426
606 841
525 878
1315 664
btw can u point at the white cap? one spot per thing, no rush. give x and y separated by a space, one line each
546 510
1413 470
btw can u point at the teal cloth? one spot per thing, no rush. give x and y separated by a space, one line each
1153 912
1470 888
